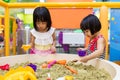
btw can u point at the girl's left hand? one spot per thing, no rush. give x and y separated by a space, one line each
83 59
53 49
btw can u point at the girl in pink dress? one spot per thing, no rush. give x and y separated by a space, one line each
91 27
43 38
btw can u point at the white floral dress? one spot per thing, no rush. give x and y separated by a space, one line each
43 41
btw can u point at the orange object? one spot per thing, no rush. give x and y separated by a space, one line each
63 62
44 65
71 69
71 17
48 79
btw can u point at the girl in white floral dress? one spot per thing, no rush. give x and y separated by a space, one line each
43 40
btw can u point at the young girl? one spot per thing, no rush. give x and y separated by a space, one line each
43 40
91 27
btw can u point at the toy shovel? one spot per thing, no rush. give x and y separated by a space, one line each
26 47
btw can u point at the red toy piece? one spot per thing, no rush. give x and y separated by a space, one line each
48 79
5 67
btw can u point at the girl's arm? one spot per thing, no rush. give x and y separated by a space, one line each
53 48
100 49
30 45
54 39
32 39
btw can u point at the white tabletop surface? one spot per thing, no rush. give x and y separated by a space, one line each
117 67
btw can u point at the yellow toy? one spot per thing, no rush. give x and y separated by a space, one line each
26 47
68 77
1 77
20 73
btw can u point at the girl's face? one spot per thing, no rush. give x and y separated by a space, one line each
41 26
87 33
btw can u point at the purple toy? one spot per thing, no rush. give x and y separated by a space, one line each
51 64
81 53
33 66
60 40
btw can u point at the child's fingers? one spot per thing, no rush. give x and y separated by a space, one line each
83 60
78 49
53 52
53 49
75 60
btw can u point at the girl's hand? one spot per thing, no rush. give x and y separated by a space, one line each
80 49
53 49
83 59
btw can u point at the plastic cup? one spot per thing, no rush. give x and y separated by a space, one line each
81 53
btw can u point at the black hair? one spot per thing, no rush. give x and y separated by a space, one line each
42 14
92 23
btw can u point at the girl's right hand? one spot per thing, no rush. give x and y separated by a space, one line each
80 49
53 49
